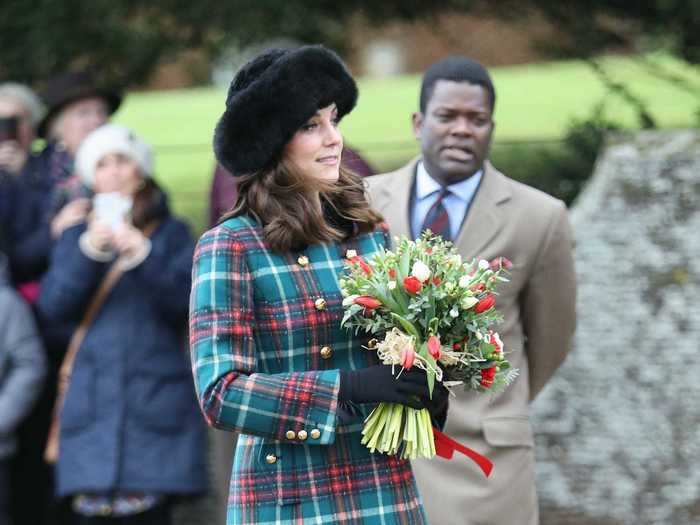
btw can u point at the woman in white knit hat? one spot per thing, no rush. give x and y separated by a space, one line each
130 435
117 166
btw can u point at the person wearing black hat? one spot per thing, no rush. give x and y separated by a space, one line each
270 359
53 196
77 105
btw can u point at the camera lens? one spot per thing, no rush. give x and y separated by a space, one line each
8 128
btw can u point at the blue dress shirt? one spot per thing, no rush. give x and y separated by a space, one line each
456 203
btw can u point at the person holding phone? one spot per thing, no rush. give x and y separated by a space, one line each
20 113
130 432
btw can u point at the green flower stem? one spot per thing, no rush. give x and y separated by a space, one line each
396 426
407 325
404 265
401 299
429 432
391 428
410 436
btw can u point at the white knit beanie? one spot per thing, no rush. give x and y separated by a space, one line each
111 138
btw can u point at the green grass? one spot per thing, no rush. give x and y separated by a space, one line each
534 102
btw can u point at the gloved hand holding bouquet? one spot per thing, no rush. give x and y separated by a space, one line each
428 310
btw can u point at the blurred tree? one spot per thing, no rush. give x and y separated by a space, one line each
593 25
127 39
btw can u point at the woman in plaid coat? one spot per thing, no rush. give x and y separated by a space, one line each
269 356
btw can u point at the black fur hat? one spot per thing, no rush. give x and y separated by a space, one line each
271 97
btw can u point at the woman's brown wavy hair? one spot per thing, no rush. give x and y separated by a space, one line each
149 204
283 201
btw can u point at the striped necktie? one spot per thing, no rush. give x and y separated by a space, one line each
437 220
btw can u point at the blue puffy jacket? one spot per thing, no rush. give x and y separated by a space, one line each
130 420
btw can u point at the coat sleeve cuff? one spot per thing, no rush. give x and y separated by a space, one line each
131 262
323 420
297 408
91 251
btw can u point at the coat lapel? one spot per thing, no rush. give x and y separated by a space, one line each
395 200
485 217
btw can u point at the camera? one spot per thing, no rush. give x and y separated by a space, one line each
8 128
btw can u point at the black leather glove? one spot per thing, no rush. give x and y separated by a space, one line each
376 383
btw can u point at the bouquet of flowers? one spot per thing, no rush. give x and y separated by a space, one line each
433 311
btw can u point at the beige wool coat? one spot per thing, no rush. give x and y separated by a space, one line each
531 228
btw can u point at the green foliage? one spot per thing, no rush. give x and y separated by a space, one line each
428 307
559 168
43 37
448 299
127 39
591 26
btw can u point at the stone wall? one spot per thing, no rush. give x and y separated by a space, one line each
618 428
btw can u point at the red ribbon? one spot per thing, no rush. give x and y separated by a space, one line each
445 447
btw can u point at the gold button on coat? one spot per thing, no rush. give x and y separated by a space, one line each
315 433
320 304
302 435
291 434
303 260
271 458
326 352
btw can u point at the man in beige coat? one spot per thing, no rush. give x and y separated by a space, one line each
452 187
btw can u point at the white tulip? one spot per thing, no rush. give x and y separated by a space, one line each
454 313
484 264
350 300
464 281
468 302
499 341
420 271
392 285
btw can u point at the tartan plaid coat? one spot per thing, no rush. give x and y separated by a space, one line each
267 347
